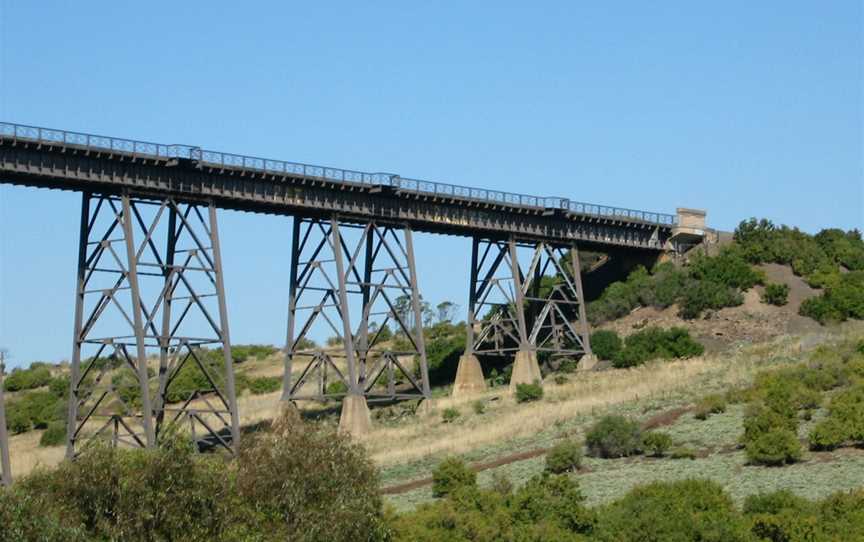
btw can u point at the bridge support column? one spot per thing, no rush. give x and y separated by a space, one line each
150 288
526 301
358 284
5 463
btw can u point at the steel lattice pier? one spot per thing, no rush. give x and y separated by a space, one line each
151 348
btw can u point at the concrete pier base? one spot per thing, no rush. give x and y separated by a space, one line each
355 419
587 362
469 377
526 370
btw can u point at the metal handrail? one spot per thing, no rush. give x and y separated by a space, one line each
223 159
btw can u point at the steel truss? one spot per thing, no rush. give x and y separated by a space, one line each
364 273
525 295
151 349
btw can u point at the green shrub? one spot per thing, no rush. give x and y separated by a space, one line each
605 344
774 448
337 387
265 384
26 517
244 352
614 436
729 268
759 420
682 452
17 419
847 408
302 482
782 516
653 343
113 493
839 301
27 379
526 393
776 294
702 295
828 434
565 456
656 443
450 415
710 404
680 511
479 406
59 387
54 435
450 475
561 379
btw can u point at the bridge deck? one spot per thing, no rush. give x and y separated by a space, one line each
60 159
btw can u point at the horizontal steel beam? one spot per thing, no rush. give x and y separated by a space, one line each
315 192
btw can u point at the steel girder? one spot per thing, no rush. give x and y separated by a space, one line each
526 295
151 349
346 274
5 464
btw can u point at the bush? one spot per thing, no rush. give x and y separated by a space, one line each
776 294
479 406
656 443
54 435
566 456
840 301
653 343
679 511
605 344
710 404
847 408
160 494
337 387
526 393
614 436
17 419
682 452
702 295
265 384
828 434
27 379
305 482
28 517
450 415
729 268
774 448
450 475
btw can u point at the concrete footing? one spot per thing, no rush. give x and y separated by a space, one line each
587 362
469 377
355 418
526 370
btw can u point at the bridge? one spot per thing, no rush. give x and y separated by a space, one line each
149 253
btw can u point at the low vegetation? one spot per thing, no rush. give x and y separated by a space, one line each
656 343
565 456
614 436
328 492
526 393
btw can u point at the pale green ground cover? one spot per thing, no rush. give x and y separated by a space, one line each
715 439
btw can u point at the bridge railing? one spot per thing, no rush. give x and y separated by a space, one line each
223 159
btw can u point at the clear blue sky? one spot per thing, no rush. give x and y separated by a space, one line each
742 108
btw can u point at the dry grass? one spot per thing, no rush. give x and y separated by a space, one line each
26 455
584 394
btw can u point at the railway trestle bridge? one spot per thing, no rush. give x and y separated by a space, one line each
150 304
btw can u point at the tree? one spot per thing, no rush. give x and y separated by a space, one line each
446 311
